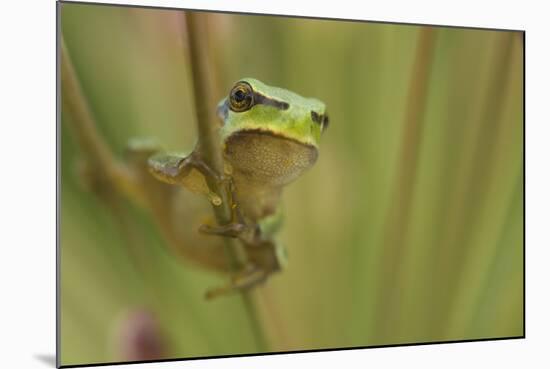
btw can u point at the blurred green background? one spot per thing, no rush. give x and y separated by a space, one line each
408 229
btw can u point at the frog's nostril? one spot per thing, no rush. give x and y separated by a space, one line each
325 122
320 119
317 118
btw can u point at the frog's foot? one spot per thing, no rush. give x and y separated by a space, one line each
194 160
249 277
243 232
237 227
190 171
174 168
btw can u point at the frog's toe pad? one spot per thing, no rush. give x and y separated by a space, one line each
166 166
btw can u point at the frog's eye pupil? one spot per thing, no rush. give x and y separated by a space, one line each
241 97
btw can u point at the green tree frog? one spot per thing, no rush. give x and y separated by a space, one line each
269 137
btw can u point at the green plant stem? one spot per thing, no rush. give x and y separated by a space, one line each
396 227
209 147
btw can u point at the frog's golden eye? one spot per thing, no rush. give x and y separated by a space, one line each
241 97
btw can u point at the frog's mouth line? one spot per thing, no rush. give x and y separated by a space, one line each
279 135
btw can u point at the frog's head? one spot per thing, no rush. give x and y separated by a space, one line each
254 106
270 135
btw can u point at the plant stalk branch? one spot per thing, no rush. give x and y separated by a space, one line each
209 147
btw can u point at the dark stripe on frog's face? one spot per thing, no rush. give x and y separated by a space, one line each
258 98
264 100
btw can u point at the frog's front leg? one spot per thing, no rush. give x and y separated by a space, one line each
250 234
246 233
190 171
250 276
